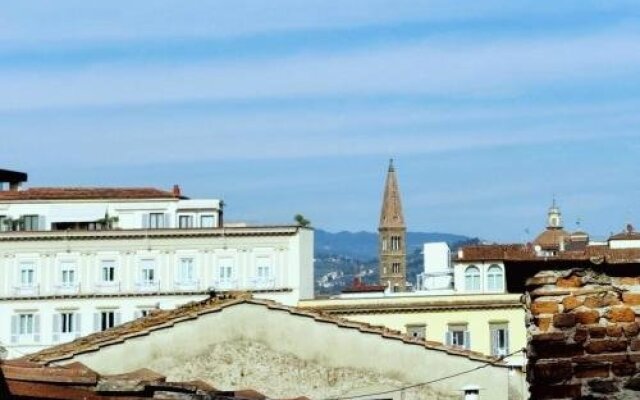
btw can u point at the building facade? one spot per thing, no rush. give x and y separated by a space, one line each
392 236
75 261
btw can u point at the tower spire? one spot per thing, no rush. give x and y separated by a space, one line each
392 234
391 215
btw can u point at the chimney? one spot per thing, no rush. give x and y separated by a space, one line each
176 190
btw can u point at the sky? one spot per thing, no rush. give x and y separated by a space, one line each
489 109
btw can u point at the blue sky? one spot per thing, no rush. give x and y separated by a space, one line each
489 108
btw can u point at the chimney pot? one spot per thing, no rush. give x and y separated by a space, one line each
176 190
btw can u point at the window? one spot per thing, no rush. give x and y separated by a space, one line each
396 243
25 327
495 281
31 222
5 223
264 271
395 268
417 331
207 221
156 221
458 335
108 270
67 322
499 339
106 319
187 270
27 274
226 272
472 278
148 272
185 221
68 274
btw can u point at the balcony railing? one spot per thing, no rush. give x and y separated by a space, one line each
225 284
187 285
108 287
148 286
262 283
27 290
68 288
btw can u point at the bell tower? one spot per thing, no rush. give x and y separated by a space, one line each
392 234
554 217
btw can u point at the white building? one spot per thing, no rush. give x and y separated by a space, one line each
438 274
78 260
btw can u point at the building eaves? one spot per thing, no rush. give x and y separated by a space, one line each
86 193
261 230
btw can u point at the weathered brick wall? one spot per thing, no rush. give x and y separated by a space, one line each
583 335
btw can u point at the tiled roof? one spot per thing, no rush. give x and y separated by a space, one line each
163 319
84 193
551 238
26 380
494 252
596 254
626 236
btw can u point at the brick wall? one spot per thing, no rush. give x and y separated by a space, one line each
583 335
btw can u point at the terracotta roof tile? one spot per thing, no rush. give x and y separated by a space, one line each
25 380
596 254
85 193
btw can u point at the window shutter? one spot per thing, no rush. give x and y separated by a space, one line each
145 221
494 342
467 340
167 220
506 337
42 223
56 328
78 324
14 329
448 338
96 322
36 328
117 318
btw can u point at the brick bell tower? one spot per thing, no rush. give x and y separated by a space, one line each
392 234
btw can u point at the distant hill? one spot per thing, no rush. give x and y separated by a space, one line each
364 245
339 257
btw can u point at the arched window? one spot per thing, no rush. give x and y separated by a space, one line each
495 278
472 278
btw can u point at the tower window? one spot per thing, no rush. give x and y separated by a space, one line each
395 268
396 243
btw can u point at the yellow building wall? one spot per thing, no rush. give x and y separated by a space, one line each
437 321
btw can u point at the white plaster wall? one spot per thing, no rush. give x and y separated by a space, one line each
316 342
460 267
436 257
130 212
291 257
624 244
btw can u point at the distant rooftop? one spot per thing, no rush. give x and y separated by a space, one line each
87 193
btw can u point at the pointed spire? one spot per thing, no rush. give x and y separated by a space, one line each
391 215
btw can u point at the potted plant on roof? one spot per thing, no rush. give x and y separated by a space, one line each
108 222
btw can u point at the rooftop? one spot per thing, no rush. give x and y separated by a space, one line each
27 380
87 193
596 254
